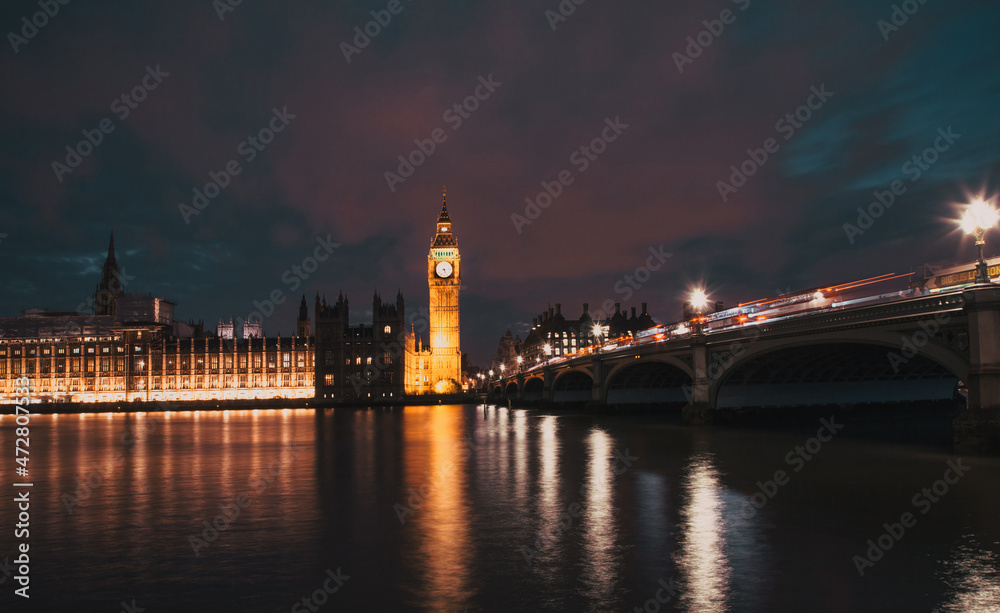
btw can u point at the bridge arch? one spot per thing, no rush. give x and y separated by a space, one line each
573 386
510 390
655 381
533 389
836 369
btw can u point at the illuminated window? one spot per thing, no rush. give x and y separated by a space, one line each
388 329
105 349
357 361
368 361
328 379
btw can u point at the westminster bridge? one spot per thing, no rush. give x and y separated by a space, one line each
908 349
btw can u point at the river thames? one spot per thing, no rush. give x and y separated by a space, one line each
457 508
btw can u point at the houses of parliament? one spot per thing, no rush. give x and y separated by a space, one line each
130 349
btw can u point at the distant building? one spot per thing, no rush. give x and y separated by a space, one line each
132 350
507 353
110 288
359 362
144 309
552 335
225 329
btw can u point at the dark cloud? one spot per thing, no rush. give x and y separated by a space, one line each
324 175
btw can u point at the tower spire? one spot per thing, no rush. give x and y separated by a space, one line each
443 217
111 247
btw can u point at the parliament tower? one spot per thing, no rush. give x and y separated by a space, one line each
444 282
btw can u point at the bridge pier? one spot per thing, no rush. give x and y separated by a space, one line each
977 429
699 410
599 392
548 393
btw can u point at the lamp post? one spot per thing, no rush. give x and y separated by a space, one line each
979 218
597 330
519 361
699 300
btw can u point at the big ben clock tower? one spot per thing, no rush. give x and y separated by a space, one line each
444 281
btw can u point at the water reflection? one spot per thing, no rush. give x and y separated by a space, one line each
600 562
974 575
670 516
702 560
549 506
438 474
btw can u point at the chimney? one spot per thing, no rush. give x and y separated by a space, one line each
618 308
586 308
551 312
633 312
534 322
643 308
558 309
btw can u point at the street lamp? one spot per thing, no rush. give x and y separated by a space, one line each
503 367
519 360
979 218
699 301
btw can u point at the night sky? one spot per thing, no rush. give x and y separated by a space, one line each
556 84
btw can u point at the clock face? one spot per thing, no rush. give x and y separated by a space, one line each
443 269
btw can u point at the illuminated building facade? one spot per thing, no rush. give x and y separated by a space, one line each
444 268
83 358
130 350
